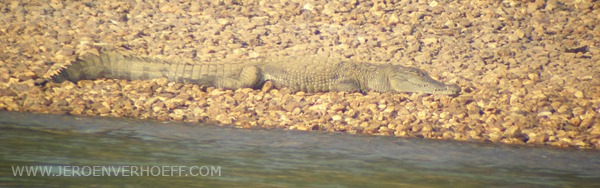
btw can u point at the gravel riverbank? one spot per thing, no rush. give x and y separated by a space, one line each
529 70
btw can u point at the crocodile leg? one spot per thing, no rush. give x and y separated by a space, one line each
249 77
349 85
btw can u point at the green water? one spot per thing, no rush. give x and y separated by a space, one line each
271 158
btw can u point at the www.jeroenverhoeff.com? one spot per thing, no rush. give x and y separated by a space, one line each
116 170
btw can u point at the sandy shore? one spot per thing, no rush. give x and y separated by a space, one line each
529 70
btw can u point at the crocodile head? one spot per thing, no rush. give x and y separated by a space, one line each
409 79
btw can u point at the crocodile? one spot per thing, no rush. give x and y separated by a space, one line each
305 74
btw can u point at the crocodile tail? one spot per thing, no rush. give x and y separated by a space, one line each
113 66
86 68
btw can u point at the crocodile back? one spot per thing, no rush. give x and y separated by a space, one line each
310 73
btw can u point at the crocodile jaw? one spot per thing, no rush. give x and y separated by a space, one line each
430 87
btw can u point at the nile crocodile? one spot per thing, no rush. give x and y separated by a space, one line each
298 74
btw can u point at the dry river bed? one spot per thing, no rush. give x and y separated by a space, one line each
529 70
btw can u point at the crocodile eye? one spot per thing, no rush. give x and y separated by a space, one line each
416 72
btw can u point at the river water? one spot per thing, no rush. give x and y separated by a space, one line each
69 147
